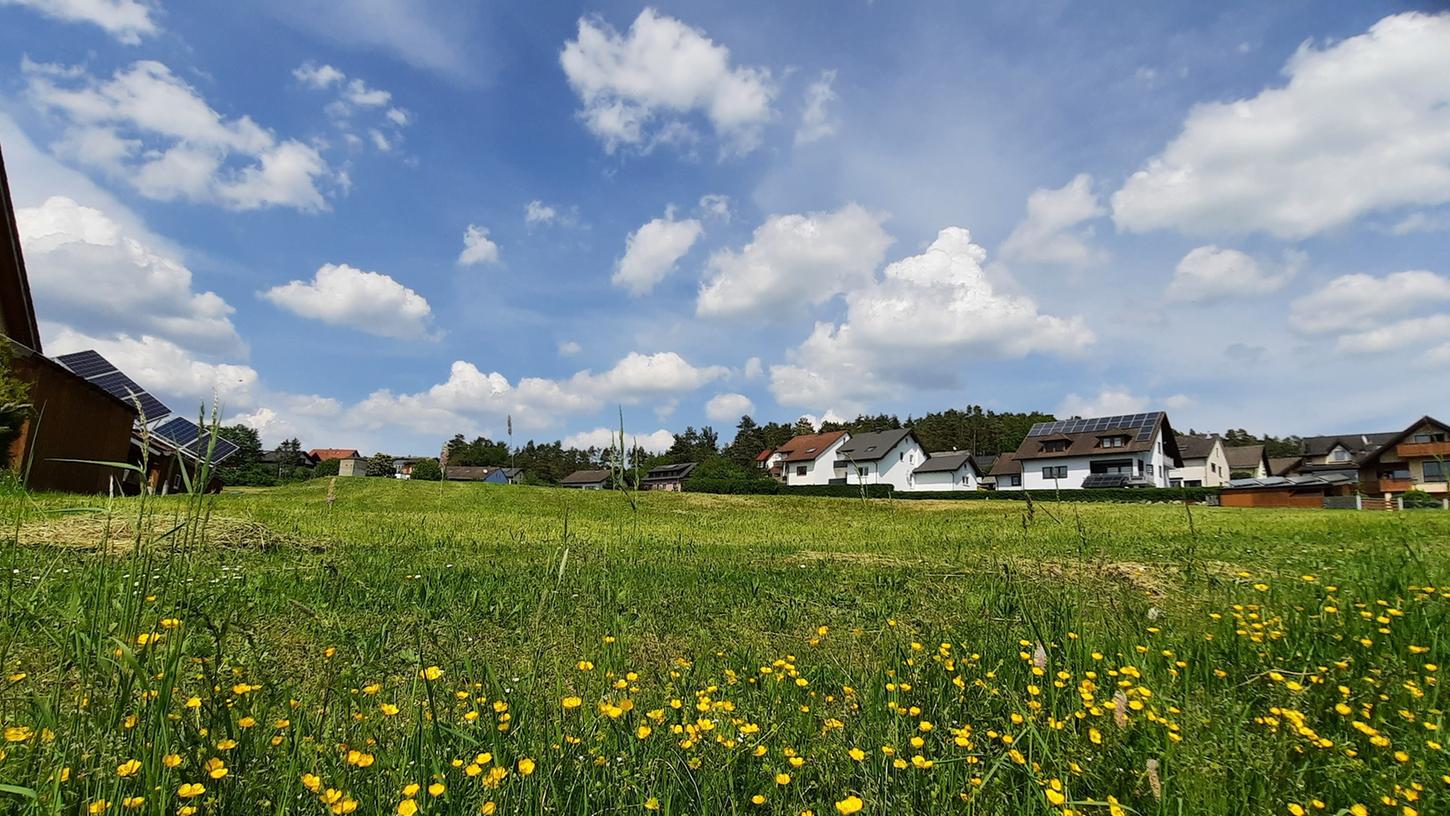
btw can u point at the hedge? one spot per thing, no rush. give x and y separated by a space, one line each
878 491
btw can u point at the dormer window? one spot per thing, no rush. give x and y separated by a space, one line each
1113 441
1054 446
1339 455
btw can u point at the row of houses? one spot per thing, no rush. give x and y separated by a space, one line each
1129 450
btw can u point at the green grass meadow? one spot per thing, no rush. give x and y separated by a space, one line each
437 648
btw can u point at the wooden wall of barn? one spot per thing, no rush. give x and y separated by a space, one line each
71 419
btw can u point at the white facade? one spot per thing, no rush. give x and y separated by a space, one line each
963 478
1208 471
897 467
818 471
1068 472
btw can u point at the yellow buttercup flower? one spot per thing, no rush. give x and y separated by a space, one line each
849 805
526 766
128 768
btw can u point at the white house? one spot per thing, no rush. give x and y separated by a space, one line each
1131 450
950 470
1247 461
811 459
1205 462
881 457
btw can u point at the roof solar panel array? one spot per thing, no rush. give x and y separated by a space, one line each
1144 424
97 370
188 436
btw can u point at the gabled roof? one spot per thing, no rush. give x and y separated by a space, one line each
1354 443
669 473
1006 464
1195 446
949 461
1084 437
869 447
764 455
985 461
809 447
585 477
1397 438
1245 457
469 473
328 454
1282 465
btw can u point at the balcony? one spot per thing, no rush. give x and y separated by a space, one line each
1422 450
1378 486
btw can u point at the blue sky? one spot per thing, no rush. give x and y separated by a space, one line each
374 224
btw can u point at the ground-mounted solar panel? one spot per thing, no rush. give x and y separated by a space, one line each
118 384
188 436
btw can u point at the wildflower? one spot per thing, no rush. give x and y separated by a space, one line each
190 789
128 768
431 673
215 768
407 807
18 733
571 702
133 802
757 799
856 754
488 808
388 709
526 766
98 806
410 790
436 789
849 805
312 782
782 779
652 804
643 731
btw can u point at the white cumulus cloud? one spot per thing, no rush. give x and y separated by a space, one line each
126 20
602 438
148 127
1359 126
729 407
478 248
1110 401
343 295
652 251
88 273
915 325
817 120
1209 273
793 261
1050 233
636 87
1361 302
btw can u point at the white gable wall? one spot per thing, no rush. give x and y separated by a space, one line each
896 468
1155 467
963 478
818 471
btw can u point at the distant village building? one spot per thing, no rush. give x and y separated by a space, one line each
586 480
1247 461
1205 462
328 454
352 466
482 473
1129 450
950 470
880 457
1417 458
667 477
810 459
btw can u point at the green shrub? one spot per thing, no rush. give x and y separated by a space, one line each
427 470
1416 499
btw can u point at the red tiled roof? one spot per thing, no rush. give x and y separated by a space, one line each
809 447
328 454
763 455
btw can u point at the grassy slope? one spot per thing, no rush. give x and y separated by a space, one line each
517 584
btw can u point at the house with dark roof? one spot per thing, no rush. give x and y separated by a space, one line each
1005 472
948 470
880 457
667 477
482 473
1284 465
586 480
1129 450
1247 461
1417 458
1205 462
810 459
1341 453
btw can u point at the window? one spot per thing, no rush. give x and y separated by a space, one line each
800 470
1114 441
860 471
1434 470
1124 466
1054 472
1339 455
1013 480
901 457
1055 446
